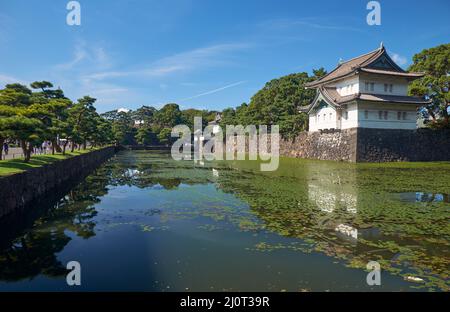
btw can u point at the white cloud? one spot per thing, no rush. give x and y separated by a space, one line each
80 54
123 110
86 56
6 79
72 75
400 60
214 55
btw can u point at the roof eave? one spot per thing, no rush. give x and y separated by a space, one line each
314 85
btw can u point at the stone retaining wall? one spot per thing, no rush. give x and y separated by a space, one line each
370 145
334 145
21 189
382 145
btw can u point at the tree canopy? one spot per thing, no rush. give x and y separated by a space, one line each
31 118
277 102
435 63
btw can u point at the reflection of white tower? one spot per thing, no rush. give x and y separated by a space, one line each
327 191
325 200
347 230
198 146
331 189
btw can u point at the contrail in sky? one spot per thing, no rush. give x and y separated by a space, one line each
213 91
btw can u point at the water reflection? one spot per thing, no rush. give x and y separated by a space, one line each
343 211
422 197
33 251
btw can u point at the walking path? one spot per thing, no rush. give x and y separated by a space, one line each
15 152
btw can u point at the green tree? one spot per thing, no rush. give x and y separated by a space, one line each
278 102
103 134
228 117
188 115
146 136
144 114
21 118
168 116
435 62
53 106
164 136
83 117
122 128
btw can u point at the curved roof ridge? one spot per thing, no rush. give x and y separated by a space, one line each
349 67
365 54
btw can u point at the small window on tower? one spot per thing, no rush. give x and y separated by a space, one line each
399 115
366 86
366 114
385 115
385 87
405 115
372 86
380 115
391 88
346 115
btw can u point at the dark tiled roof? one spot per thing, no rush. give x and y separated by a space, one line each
362 63
393 99
332 95
390 72
333 98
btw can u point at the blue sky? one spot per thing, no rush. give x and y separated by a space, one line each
205 54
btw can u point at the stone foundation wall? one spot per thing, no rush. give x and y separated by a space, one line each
383 145
334 145
19 190
370 145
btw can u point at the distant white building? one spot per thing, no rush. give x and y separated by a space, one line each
369 91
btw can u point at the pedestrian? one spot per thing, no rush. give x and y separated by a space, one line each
44 147
6 148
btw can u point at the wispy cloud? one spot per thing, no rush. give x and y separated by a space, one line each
110 90
310 22
96 56
400 60
212 91
6 79
6 24
205 57
85 59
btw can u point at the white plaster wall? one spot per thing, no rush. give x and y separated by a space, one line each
347 86
312 123
327 122
352 120
392 122
400 85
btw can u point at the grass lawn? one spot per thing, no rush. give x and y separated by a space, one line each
11 166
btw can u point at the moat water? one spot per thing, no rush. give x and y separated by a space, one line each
144 222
